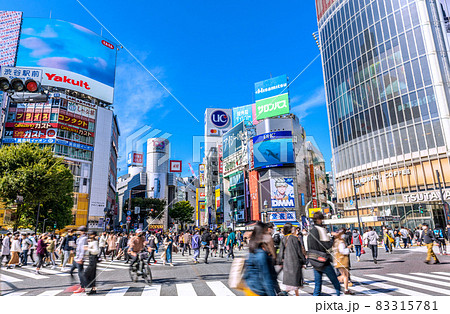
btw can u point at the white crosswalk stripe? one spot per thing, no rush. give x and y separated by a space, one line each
426 280
441 273
6 278
432 276
185 290
405 283
151 291
219 289
26 274
117 291
49 293
14 294
386 286
53 272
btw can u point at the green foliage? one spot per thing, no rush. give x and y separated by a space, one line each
182 212
147 203
36 174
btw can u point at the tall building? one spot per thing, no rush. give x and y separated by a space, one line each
386 72
76 70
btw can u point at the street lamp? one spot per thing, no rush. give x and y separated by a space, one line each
43 227
356 202
266 204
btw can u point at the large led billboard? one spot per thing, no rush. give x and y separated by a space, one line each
282 193
71 56
273 149
272 97
232 140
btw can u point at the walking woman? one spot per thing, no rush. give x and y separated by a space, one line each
168 243
112 246
259 275
91 271
51 250
341 256
292 258
41 251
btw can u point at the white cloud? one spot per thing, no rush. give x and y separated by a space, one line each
301 106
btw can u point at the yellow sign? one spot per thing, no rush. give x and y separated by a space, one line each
311 211
155 226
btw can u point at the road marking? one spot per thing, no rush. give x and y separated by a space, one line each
49 293
26 274
151 291
388 287
6 278
53 272
117 291
427 280
185 290
432 276
113 266
220 289
406 283
441 273
14 294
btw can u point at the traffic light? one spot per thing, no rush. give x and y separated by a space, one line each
421 209
18 85
54 225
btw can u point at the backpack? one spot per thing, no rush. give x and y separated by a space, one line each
438 233
276 239
220 240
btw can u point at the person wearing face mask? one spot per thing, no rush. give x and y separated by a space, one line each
342 259
428 238
372 243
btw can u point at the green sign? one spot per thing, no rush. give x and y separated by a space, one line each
272 106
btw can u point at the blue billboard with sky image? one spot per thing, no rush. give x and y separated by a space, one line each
273 149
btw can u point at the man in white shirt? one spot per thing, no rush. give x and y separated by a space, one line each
404 233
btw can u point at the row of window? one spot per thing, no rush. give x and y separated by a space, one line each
401 111
72 152
393 143
73 136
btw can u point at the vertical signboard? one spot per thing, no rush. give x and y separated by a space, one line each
10 22
313 185
254 195
220 153
201 175
217 195
244 114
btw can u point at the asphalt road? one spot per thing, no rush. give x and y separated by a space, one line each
400 273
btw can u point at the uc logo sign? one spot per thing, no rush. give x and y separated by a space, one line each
219 118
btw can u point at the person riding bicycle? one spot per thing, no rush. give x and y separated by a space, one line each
136 246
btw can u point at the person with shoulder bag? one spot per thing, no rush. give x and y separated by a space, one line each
259 274
342 259
319 245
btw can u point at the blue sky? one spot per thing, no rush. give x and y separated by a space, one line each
208 54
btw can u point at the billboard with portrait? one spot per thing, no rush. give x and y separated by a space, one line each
70 55
282 193
272 149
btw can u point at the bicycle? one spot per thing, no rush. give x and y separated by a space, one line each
141 269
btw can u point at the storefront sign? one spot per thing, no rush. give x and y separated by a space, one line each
431 196
280 216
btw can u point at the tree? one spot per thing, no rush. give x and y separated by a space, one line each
38 176
182 212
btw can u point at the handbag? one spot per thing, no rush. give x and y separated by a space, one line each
363 251
318 259
236 278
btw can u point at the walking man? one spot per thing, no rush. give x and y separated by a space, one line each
357 242
231 241
404 234
196 246
79 259
68 246
428 238
102 245
187 239
26 244
33 247
206 243
6 248
372 242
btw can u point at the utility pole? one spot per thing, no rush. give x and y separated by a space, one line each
356 204
444 204
37 218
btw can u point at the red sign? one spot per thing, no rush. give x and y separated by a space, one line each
65 79
32 133
313 185
175 166
107 44
220 149
73 121
31 125
254 195
322 6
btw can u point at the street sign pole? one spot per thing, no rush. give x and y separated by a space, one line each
356 204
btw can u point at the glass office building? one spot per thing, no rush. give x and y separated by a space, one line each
386 72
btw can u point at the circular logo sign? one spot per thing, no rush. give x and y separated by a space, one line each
51 133
219 118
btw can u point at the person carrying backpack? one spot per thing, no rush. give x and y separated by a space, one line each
231 242
277 240
196 243
440 239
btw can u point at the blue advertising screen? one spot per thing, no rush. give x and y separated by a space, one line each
271 87
273 149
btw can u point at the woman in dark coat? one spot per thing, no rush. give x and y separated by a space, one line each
292 258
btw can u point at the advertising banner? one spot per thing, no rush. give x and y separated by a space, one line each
245 114
217 195
135 159
70 55
84 111
32 133
282 216
282 193
29 140
201 175
21 73
10 22
272 150
254 195
220 153
175 166
75 145
273 106
157 183
217 121
232 140
313 184
311 211
73 121
271 87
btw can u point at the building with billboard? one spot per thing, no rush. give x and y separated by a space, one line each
74 114
386 74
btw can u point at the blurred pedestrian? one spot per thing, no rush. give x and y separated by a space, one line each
92 250
259 275
196 243
6 249
341 256
428 238
68 246
78 262
15 251
292 257
187 239
206 244
26 245
231 242
168 243
102 245
151 247
372 243
357 242
221 244
51 250
319 244
41 251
